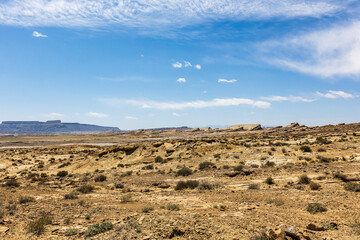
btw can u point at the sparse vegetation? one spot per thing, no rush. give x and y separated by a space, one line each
184 172
192 184
275 201
269 181
62 174
352 187
314 208
304 179
26 199
38 226
12 183
71 195
306 149
206 165
100 178
254 186
98 228
172 207
86 189
147 209
71 232
315 186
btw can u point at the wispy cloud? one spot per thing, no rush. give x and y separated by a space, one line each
326 53
97 115
177 65
176 114
181 80
37 34
291 99
335 94
131 118
315 96
185 64
217 102
153 13
222 80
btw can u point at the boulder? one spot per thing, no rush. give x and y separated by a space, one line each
315 227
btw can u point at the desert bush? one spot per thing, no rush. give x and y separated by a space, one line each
322 140
147 209
315 186
206 165
192 184
86 189
217 155
26 199
261 236
71 195
2 213
159 159
208 186
268 164
119 185
316 208
222 207
126 198
38 226
184 172
172 207
254 186
353 187
304 179
100 178
12 183
98 228
305 149
275 201
148 167
62 174
71 232
127 173
238 168
325 159
270 181
341 176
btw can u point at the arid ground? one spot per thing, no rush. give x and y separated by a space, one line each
292 182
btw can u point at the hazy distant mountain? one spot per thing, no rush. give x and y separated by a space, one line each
50 127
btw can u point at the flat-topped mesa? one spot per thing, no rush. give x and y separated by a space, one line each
51 126
243 127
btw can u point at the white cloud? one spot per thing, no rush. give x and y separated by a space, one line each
187 64
217 102
53 115
154 13
181 80
37 34
176 114
325 53
131 118
291 99
177 65
97 115
221 80
335 94
197 66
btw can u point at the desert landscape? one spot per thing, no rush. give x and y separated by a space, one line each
241 182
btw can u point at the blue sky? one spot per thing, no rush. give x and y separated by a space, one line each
157 63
